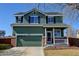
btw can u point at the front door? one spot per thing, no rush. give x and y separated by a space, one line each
49 37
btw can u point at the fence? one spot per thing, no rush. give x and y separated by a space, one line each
74 42
7 40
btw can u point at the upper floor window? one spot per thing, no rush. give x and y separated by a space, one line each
50 20
58 19
34 20
19 19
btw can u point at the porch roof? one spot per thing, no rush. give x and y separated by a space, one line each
57 25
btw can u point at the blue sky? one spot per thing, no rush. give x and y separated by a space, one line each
7 11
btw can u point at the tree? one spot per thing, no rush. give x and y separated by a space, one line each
70 10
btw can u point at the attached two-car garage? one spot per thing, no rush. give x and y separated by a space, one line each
29 40
28 35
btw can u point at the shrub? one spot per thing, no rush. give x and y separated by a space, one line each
5 46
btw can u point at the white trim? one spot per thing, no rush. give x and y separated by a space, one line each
18 15
45 14
53 37
67 40
30 34
53 25
26 24
55 15
45 37
34 23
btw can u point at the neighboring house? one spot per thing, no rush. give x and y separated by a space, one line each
2 33
77 34
37 28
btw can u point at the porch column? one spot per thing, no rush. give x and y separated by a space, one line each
67 37
53 37
45 36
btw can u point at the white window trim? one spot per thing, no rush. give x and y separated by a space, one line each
30 34
48 20
34 20
60 32
34 23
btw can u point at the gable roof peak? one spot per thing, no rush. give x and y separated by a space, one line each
34 9
37 10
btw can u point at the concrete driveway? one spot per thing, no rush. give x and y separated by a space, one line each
23 51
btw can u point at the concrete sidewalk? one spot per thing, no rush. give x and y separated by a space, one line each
34 51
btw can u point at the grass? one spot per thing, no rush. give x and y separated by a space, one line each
62 52
4 46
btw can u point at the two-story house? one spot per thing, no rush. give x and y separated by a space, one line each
37 28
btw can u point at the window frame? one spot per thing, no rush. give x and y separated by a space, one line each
19 19
58 20
33 20
50 20
57 35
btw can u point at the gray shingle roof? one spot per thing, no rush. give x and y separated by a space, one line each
46 13
53 13
20 13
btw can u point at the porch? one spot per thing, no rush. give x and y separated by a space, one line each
54 37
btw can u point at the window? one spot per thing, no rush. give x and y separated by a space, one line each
58 19
57 33
34 19
50 20
19 19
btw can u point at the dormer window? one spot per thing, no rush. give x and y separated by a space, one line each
34 20
19 19
50 20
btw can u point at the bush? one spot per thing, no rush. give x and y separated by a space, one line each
5 46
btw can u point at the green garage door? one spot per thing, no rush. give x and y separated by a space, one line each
29 40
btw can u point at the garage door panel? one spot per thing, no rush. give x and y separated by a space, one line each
30 38
29 41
